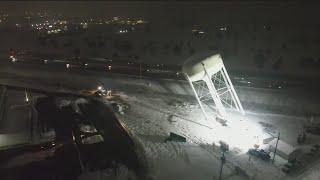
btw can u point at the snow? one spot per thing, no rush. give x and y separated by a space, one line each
119 173
154 108
151 117
63 103
284 149
153 112
312 174
81 101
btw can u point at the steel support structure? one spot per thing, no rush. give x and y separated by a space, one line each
216 87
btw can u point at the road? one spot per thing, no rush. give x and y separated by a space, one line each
165 71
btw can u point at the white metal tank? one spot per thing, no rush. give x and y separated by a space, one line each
193 67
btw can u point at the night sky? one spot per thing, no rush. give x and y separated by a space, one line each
203 11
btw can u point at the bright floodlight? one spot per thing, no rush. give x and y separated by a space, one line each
209 81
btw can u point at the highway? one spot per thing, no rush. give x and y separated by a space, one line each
104 65
162 71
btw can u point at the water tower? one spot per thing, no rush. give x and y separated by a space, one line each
210 81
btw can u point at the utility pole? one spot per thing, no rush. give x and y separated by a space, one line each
140 71
224 148
223 159
275 150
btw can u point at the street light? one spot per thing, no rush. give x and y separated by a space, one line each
26 96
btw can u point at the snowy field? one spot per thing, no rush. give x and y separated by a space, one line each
152 117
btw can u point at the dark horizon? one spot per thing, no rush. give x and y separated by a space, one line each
231 11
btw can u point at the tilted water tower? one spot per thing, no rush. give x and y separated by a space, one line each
210 81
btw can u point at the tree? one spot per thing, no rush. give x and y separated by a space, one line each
260 59
42 41
177 49
278 64
68 43
166 46
115 55
152 47
76 52
191 50
92 44
219 35
100 44
95 53
54 43
284 46
147 28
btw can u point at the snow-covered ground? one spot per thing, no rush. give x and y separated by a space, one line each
151 117
154 108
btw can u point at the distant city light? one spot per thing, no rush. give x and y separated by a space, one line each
140 21
123 31
13 59
223 29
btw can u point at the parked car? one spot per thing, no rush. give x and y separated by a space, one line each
88 134
260 153
288 166
100 93
313 129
